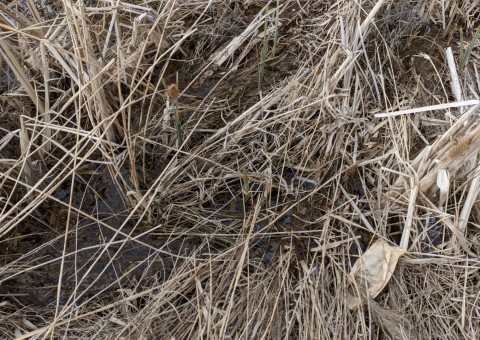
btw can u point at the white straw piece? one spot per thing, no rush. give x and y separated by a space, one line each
428 108
455 82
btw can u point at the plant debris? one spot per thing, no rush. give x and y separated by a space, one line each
226 169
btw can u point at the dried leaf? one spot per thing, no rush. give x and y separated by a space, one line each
374 269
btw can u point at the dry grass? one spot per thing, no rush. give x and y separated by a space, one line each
178 169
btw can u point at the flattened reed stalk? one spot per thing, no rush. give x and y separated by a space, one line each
249 230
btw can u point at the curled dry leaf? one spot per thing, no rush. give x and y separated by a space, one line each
443 183
373 270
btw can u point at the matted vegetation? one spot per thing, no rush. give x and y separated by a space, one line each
182 169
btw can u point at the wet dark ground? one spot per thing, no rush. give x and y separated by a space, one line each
106 254
99 257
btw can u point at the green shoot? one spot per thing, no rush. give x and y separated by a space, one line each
465 53
263 53
275 34
245 181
